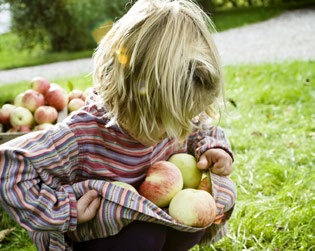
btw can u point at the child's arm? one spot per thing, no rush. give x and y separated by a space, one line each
35 171
211 147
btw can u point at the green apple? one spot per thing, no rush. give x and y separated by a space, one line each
193 207
125 185
187 164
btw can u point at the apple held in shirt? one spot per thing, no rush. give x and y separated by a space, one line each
187 164
125 185
162 182
193 207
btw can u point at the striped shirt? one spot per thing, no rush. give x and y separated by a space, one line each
44 173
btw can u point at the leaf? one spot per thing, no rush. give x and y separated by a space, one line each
4 233
70 86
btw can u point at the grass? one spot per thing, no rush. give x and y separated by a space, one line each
13 55
270 122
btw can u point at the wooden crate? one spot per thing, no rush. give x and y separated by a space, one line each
5 136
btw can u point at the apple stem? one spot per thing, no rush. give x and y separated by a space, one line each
209 181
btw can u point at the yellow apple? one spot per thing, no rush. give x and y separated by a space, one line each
193 207
187 164
125 185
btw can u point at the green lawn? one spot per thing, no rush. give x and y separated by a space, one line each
13 55
269 119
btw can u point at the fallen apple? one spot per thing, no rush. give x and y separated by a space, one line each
45 114
163 180
21 116
32 100
125 185
56 96
187 164
40 84
5 112
192 207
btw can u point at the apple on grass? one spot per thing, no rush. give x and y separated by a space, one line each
32 100
5 112
21 116
75 104
56 96
187 164
46 114
193 207
125 185
162 182
40 84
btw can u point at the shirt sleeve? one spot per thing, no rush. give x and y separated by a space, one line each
34 173
205 136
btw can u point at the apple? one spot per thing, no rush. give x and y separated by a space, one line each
88 92
75 93
21 116
56 96
21 128
5 112
75 104
40 84
163 180
45 114
32 100
187 164
125 185
43 126
18 99
193 207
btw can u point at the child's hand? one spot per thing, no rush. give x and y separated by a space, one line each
218 160
87 206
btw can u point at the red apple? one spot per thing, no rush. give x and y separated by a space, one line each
75 104
18 99
21 116
40 84
125 185
192 207
5 112
163 180
187 164
32 100
22 128
56 96
75 93
45 114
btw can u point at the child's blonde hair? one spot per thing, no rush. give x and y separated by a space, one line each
158 67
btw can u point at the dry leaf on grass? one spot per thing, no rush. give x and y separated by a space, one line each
4 233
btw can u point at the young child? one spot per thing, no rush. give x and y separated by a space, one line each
157 75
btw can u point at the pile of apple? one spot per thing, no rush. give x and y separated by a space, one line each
178 184
39 106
